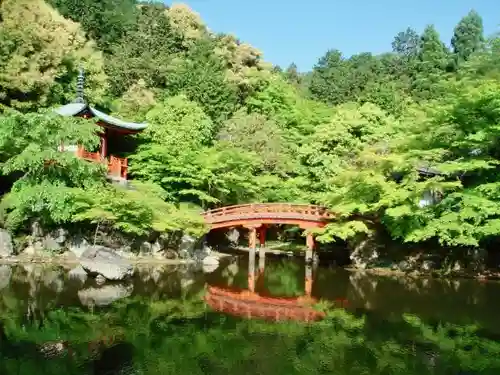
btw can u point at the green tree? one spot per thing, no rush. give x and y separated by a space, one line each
256 133
105 21
175 156
432 64
52 181
328 78
148 52
406 43
468 36
292 74
202 77
40 59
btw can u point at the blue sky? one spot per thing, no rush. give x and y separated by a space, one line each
302 31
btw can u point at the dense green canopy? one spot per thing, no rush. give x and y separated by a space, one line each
226 127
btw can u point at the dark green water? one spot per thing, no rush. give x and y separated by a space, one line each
159 323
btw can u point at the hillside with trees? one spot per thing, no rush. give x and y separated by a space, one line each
227 127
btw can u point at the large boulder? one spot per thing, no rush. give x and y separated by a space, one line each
100 260
6 245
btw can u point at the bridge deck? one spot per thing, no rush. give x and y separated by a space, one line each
268 213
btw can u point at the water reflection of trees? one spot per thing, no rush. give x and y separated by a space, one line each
154 334
181 337
283 279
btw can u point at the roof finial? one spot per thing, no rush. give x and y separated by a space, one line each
80 87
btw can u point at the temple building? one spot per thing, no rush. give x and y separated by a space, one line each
112 132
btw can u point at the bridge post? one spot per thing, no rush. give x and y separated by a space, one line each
262 261
262 241
262 235
308 280
310 247
251 271
252 239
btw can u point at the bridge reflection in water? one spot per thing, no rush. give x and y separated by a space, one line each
249 304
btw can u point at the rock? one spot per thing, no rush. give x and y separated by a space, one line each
78 273
477 258
68 255
100 279
201 254
146 248
5 275
30 250
404 265
157 273
50 244
36 229
428 265
78 245
52 280
457 266
35 245
186 247
169 254
125 252
365 253
6 245
105 295
157 250
233 236
211 260
59 236
210 263
100 260
186 283
209 268
233 269
34 271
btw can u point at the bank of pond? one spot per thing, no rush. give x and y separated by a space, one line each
249 316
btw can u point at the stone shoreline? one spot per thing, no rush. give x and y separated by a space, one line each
73 260
378 271
145 260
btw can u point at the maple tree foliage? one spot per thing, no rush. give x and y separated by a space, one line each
226 127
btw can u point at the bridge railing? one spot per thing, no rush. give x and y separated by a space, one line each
262 208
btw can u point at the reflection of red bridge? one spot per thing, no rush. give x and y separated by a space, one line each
250 305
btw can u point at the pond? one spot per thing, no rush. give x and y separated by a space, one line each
250 316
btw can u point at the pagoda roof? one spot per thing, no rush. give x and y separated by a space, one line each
80 108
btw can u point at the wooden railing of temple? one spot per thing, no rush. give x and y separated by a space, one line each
267 213
117 167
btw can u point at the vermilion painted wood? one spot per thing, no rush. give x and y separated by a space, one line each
251 305
303 215
117 167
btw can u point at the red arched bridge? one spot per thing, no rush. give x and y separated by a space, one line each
304 215
256 216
